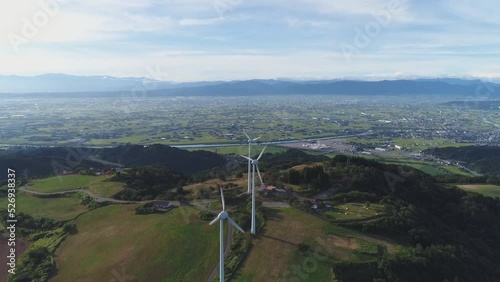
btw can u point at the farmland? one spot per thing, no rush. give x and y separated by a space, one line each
112 239
240 150
428 167
203 120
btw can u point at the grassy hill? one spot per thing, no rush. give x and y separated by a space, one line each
41 162
99 185
163 156
413 230
158 247
63 208
298 245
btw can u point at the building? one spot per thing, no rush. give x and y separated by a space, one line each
162 205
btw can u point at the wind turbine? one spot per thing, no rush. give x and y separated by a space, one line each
220 218
255 166
250 140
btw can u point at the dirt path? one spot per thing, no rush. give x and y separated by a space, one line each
275 205
97 198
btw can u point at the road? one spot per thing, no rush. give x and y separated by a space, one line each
271 142
97 198
474 173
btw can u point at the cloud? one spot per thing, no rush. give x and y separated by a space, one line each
278 38
296 22
209 21
359 7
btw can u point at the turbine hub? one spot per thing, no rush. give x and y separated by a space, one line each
255 162
223 215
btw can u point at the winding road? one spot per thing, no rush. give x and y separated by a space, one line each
97 198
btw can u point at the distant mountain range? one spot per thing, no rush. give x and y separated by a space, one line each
57 83
78 85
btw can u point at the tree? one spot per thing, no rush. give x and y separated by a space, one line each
293 176
70 228
179 190
303 247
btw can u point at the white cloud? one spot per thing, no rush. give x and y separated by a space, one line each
366 7
296 22
209 21
258 38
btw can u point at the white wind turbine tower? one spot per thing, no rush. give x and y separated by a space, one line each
255 166
221 217
250 140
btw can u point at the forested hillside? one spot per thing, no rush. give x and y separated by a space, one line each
484 159
44 161
453 233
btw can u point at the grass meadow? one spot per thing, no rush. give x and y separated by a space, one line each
174 246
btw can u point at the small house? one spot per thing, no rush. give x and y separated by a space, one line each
162 205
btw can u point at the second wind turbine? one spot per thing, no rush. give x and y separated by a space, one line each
255 166
250 141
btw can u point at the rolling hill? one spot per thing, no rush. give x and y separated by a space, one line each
45 161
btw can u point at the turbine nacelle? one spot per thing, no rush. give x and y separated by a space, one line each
255 161
223 215
250 140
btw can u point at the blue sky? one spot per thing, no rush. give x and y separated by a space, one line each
190 40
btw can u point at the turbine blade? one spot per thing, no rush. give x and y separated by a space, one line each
262 153
255 139
258 172
222 198
235 225
245 157
215 220
246 135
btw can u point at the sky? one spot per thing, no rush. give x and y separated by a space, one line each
195 40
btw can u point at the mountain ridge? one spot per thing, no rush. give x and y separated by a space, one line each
69 84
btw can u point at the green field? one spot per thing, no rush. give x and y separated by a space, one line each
202 120
279 245
428 167
105 188
68 182
486 190
63 208
241 150
161 247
